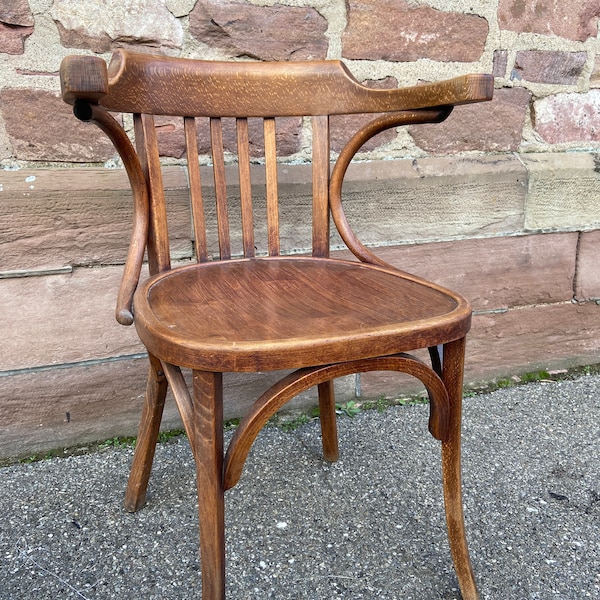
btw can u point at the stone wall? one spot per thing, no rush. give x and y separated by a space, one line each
499 202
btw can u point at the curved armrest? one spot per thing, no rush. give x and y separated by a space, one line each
476 88
84 82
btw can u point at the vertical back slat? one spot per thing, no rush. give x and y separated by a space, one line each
271 183
216 141
198 221
243 146
159 258
320 185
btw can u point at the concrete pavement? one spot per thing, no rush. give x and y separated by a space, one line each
369 526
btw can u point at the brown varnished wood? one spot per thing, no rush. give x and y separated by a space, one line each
83 78
452 376
271 187
327 417
159 256
207 444
291 312
243 145
183 399
290 386
139 234
154 402
320 182
144 83
216 139
198 220
323 318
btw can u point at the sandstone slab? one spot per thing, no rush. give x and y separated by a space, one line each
42 410
98 25
570 117
538 66
496 273
435 199
275 32
397 30
59 319
42 127
50 218
576 21
588 266
563 191
16 25
494 126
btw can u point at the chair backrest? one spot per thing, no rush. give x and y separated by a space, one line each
232 94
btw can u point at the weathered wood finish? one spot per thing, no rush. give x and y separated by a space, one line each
324 318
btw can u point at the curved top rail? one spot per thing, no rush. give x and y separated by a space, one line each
145 83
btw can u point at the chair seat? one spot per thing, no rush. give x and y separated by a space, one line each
281 313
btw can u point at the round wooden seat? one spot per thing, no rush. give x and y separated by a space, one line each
280 313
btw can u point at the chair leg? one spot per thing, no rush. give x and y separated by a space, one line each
208 454
156 391
453 363
328 421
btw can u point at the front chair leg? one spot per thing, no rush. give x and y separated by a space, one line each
328 421
207 448
452 375
154 402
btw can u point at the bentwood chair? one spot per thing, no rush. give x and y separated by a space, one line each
316 317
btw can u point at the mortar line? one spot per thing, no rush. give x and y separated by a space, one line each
69 365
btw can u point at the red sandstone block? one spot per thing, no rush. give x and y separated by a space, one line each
500 63
494 126
571 117
400 31
276 32
540 66
62 318
79 404
12 39
572 20
33 118
498 272
171 137
587 285
16 25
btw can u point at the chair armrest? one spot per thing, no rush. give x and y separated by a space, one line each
84 82
460 90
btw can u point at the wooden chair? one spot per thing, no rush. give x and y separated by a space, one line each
318 317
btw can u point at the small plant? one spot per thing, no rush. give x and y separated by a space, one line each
117 442
231 424
412 401
535 376
294 423
350 409
167 436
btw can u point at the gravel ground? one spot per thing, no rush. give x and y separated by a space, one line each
369 526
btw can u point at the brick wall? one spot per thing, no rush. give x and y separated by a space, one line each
499 202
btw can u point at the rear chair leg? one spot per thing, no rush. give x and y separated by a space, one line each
328 421
453 362
156 391
208 454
